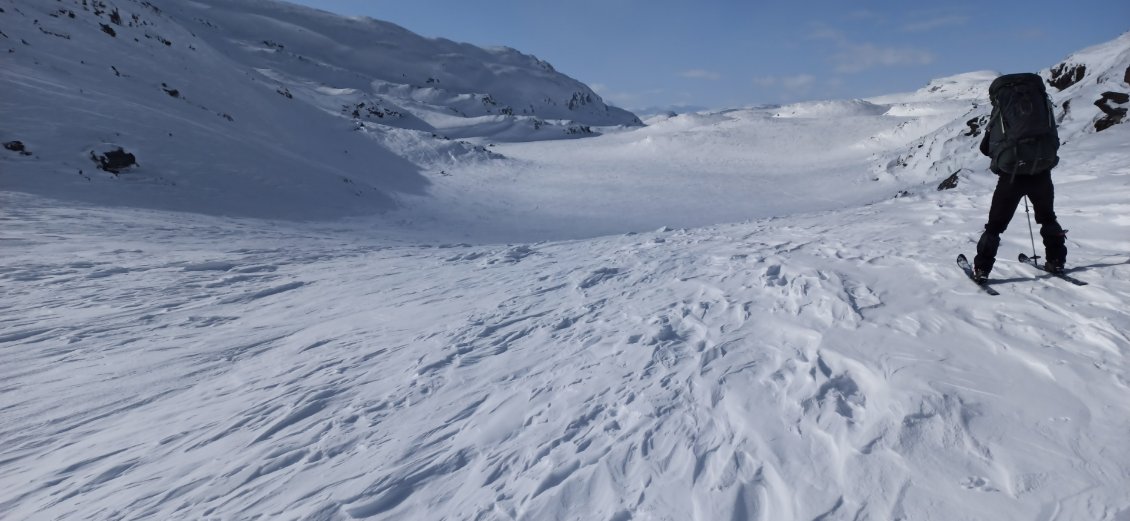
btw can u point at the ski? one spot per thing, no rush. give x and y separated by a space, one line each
964 263
1035 264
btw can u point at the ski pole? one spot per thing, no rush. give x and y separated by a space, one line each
1030 234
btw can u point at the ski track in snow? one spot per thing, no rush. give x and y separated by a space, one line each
777 369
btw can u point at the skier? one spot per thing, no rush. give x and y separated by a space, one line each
1022 141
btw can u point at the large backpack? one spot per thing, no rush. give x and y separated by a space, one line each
1022 131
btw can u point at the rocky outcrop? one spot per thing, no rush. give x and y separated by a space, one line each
950 182
975 125
579 99
1117 97
369 111
1066 112
18 147
1064 75
1113 115
114 161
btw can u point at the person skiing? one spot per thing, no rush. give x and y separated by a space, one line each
1022 140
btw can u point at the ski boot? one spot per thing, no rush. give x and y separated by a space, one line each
980 276
1055 267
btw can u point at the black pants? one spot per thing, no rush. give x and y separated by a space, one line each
1010 189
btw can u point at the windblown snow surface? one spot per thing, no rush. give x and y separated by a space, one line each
725 316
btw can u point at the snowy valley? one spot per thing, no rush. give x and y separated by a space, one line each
360 274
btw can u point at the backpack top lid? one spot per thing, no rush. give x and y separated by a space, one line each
1008 81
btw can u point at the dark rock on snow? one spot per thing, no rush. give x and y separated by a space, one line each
1113 115
950 182
975 125
114 161
17 146
1064 76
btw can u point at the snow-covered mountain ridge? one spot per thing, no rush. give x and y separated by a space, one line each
435 79
261 108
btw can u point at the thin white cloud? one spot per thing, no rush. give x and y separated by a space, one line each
800 81
822 31
857 57
796 82
849 57
625 99
930 24
701 74
621 99
787 88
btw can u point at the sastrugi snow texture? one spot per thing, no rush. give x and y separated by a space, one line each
300 301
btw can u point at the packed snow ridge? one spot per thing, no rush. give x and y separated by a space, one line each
314 309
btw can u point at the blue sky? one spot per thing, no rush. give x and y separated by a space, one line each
729 53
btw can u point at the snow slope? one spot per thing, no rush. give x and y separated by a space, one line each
719 316
260 108
161 366
439 80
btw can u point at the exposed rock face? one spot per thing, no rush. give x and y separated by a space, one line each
950 182
17 146
1114 115
975 126
579 99
114 161
1126 78
1117 97
1065 113
1064 75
